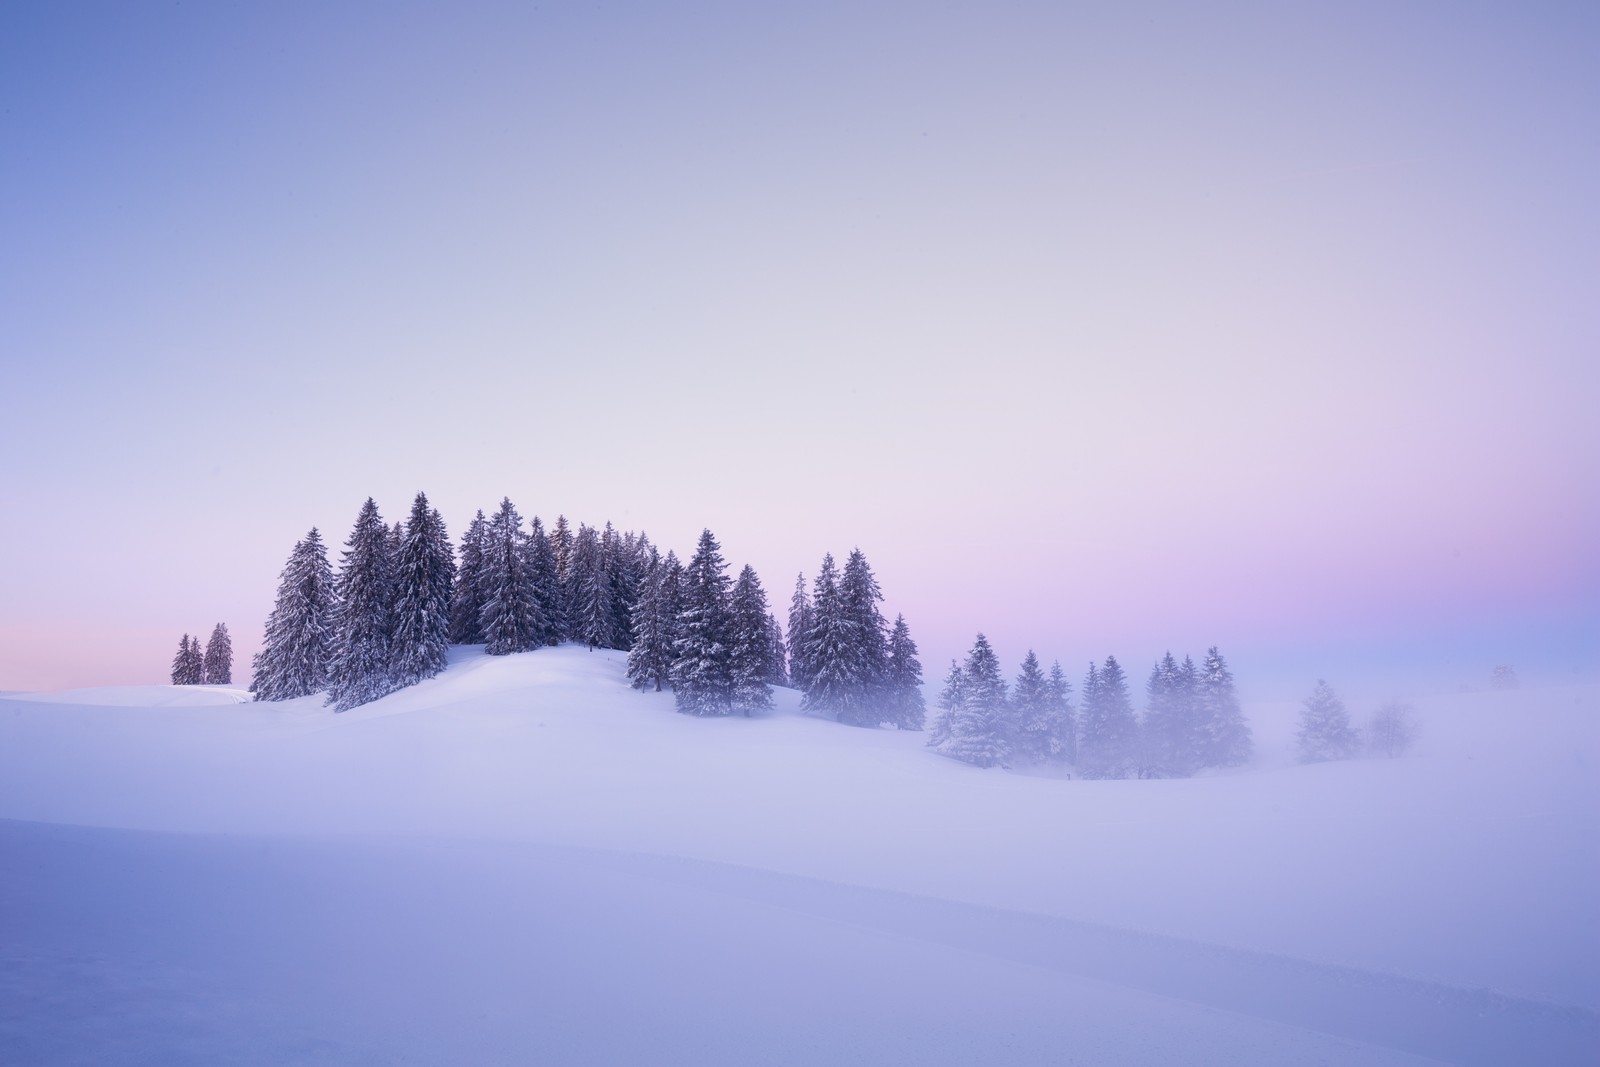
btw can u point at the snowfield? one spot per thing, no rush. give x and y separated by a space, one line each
522 860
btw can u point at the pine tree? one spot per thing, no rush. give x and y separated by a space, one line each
1325 732
561 544
466 601
977 732
858 604
591 591
1170 737
1225 737
294 657
510 616
358 670
801 618
546 583
702 670
904 680
180 663
650 654
750 643
423 572
777 661
1037 716
831 649
952 700
219 657
1059 694
1108 732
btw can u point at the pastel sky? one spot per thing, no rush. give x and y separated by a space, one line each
1100 328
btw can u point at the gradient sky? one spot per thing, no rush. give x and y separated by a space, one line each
1101 328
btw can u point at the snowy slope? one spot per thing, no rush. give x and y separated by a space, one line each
1131 914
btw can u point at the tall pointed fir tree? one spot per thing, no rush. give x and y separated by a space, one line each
294 657
423 571
561 545
546 584
952 700
591 591
978 732
1225 735
650 654
1107 730
702 670
903 682
1059 693
859 596
831 649
1170 741
1325 732
181 671
510 617
777 660
749 643
358 670
801 618
1037 716
219 656
466 599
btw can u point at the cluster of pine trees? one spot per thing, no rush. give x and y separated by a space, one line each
214 666
1192 717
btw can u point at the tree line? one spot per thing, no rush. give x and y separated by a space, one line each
214 666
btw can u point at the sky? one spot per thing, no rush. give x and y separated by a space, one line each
1102 329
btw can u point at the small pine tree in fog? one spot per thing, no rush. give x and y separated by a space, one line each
903 685
1171 740
294 657
1059 693
1325 732
952 698
219 657
1504 677
1107 730
423 576
1392 729
702 668
978 731
1037 716
358 670
749 643
1225 736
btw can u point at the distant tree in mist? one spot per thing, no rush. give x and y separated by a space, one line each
1392 729
1037 716
777 653
1225 735
1108 732
1504 677
975 727
903 683
294 655
1172 739
219 657
1059 693
1325 732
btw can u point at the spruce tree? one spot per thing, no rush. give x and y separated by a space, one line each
1225 736
832 650
1325 732
702 670
466 601
546 583
1036 716
295 654
777 660
977 732
1169 735
801 618
510 616
180 663
561 544
1108 732
952 699
750 643
859 596
358 670
423 572
219 657
650 654
904 681
1060 696
591 591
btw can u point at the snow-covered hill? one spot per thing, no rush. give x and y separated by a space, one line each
522 859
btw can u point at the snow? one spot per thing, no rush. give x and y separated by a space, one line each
523 860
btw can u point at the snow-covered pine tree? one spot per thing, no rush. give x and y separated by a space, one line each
197 662
466 600
1168 734
1059 693
832 650
423 569
777 660
294 656
650 654
219 657
904 681
702 669
951 700
1225 736
620 569
180 663
1108 732
1036 717
510 617
978 730
859 596
1325 732
801 618
749 643
546 584
358 670
561 545
591 591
